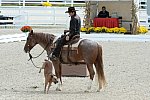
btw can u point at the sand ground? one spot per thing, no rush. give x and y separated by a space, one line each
126 66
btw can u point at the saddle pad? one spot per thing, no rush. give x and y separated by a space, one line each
73 46
65 47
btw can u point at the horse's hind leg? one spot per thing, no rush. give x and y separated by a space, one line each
57 67
92 73
98 80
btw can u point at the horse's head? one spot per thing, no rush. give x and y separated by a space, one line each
31 42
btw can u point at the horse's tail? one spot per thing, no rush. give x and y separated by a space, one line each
99 68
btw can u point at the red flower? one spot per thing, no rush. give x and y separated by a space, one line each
26 29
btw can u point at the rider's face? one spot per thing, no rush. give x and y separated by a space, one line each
103 9
71 13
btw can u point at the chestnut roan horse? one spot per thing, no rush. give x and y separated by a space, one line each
89 51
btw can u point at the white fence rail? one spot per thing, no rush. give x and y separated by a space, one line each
149 22
38 16
24 2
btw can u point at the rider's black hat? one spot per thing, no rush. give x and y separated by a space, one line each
71 9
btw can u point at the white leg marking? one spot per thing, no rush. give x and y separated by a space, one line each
59 85
89 85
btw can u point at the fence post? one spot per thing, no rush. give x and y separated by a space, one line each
65 2
72 3
0 2
19 2
24 2
54 16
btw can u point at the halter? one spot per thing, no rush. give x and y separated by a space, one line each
31 57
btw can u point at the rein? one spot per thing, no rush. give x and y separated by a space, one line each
31 57
40 53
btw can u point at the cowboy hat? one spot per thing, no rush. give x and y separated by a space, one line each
71 9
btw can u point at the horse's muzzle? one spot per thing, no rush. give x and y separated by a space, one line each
26 51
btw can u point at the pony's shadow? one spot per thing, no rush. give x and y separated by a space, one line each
33 90
57 92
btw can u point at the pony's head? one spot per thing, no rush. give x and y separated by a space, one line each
53 79
31 42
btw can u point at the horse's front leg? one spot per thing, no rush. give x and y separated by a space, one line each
92 73
57 67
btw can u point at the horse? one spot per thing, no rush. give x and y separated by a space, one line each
89 51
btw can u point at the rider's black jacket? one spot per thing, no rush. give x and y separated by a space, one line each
75 25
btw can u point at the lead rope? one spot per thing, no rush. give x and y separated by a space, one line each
30 56
32 60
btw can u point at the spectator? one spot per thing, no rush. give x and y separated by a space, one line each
103 13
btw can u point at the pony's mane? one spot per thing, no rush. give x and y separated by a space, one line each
46 37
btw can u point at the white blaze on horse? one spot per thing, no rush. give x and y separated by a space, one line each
88 51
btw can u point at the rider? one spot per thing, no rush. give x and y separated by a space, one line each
75 25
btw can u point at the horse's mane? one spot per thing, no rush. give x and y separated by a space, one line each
46 37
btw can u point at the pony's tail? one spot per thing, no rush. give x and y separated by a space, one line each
60 72
99 68
43 66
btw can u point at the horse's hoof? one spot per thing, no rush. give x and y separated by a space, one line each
98 91
86 91
57 89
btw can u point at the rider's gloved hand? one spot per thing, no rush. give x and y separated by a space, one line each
62 36
67 37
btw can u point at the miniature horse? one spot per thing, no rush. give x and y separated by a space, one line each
87 50
49 76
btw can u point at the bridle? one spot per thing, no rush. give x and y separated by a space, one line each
31 57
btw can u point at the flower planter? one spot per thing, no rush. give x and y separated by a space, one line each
88 32
127 33
103 30
26 29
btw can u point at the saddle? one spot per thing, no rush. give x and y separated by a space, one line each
73 43
69 48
